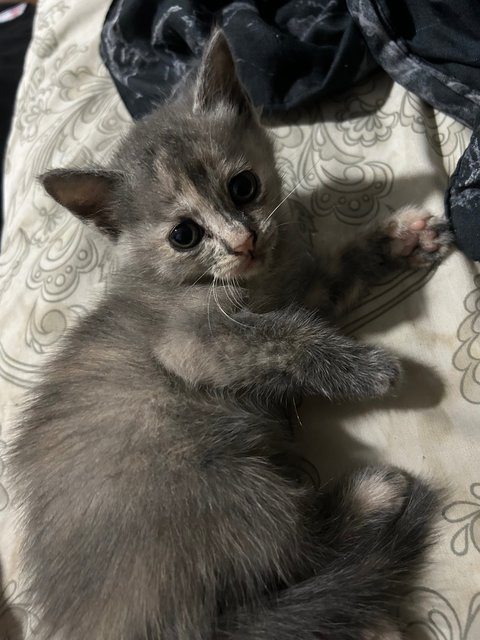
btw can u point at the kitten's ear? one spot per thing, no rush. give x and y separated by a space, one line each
87 194
217 81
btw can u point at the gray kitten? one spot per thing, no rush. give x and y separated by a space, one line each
150 462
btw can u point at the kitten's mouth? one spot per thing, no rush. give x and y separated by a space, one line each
248 265
244 267
249 260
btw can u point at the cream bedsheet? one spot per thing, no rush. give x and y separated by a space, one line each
370 151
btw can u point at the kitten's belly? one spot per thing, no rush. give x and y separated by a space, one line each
222 422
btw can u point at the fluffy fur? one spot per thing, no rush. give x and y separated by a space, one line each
148 462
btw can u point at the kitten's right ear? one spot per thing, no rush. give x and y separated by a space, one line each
87 194
217 81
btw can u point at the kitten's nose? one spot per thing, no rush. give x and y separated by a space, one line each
246 247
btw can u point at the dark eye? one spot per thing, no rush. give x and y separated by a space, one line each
185 235
243 187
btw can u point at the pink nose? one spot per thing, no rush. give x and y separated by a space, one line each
246 247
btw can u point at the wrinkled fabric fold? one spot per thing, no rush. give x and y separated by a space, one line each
289 54
462 200
428 47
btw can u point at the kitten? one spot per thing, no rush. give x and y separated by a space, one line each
147 463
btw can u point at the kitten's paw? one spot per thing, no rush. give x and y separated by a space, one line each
380 372
418 237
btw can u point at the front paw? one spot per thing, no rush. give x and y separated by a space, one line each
418 237
378 373
360 372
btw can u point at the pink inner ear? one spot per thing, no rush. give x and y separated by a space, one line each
95 194
86 194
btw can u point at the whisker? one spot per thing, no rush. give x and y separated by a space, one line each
233 287
226 314
231 296
285 224
299 422
225 285
293 160
198 279
292 190
209 297
238 296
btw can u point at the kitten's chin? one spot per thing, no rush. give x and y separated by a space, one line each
247 269
248 265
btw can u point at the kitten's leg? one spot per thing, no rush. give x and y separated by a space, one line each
374 532
285 351
410 238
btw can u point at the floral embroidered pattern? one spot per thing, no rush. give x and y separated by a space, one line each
439 618
365 123
15 615
465 514
467 356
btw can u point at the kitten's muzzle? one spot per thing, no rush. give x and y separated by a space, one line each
247 247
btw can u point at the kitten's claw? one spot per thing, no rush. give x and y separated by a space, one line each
418 237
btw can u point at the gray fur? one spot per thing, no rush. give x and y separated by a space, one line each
154 505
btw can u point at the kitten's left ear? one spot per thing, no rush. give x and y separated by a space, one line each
217 82
87 194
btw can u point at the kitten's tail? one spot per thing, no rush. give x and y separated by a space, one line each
356 596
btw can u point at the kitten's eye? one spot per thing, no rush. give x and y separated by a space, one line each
243 187
185 235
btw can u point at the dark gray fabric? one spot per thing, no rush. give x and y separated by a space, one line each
290 53
430 47
462 200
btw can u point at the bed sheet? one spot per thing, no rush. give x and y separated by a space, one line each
368 152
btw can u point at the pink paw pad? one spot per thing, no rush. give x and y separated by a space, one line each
419 237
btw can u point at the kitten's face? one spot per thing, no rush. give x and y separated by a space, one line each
191 190
204 197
